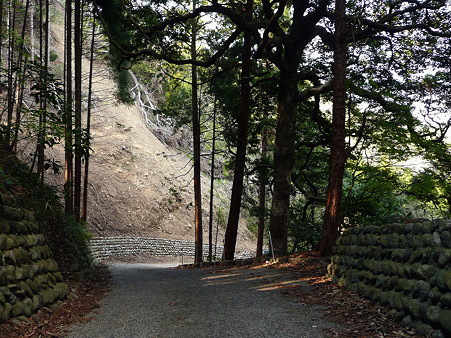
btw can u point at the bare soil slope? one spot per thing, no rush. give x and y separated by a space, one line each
138 185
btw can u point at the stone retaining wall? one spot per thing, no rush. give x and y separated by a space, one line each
404 266
29 277
104 247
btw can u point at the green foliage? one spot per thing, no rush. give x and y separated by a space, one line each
432 191
303 233
177 97
373 196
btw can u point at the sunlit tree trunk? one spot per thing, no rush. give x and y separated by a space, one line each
337 147
240 158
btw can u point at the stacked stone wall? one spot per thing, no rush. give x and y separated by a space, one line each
404 266
104 247
29 277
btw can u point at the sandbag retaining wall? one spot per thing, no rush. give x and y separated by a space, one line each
404 266
104 247
29 277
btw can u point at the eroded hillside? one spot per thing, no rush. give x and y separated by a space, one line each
138 186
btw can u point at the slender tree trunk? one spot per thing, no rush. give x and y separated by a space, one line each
77 115
212 182
46 70
32 42
10 93
240 157
42 98
2 13
261 200
283 159
20 78
88 128
196 146
68 154
337 147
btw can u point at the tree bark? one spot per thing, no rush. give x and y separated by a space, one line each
68 153
283 159
196 146
40 144
2 12
10 92
20 78
338 154
261 200
88 128
240 157
212 182
77 112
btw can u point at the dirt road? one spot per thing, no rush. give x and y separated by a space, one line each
157 300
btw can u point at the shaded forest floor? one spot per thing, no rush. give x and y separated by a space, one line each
360 317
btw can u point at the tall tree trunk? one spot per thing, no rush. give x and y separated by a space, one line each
40 144
212 182
88 127
46 70
10 92
2 13
68 153
77 112
32 42
337 147
20 78
283 159
261 199
196 146
240 157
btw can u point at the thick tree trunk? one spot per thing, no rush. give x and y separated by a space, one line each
337 147
240 157
77 115
283 159
68 153
261 200
196 146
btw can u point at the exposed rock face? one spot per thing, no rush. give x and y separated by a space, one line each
404 266
29 277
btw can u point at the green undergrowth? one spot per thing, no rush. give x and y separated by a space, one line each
67 238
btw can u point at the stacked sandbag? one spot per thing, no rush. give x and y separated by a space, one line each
29 277
404 266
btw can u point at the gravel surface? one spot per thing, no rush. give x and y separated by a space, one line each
158 300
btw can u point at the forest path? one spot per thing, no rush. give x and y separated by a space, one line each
157 300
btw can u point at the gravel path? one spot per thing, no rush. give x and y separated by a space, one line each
155 300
